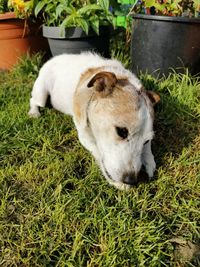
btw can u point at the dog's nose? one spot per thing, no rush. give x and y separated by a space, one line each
129 178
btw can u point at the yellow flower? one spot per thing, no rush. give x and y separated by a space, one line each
21 8
19 4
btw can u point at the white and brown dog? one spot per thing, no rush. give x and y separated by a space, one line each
112 112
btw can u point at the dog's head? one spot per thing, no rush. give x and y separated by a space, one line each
114 121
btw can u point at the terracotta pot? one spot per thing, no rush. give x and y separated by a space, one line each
17 37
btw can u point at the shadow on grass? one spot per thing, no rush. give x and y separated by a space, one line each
176 122
174 130
176 126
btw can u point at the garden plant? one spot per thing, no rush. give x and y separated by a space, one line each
188 8
71 13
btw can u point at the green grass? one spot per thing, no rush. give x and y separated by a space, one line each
56 209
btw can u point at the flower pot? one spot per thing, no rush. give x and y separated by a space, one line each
74 40
17 38
160 44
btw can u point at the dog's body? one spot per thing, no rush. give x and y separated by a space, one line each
112 113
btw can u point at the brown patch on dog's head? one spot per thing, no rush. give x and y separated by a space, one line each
108 90
103 82
81 98
119 107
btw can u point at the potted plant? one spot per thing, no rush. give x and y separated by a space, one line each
19 33
72 26
166 36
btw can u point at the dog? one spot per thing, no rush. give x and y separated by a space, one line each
111 110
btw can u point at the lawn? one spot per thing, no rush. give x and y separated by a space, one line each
56 208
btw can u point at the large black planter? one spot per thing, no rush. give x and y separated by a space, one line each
161 43
74 40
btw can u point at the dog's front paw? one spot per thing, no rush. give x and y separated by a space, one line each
150 167
34 113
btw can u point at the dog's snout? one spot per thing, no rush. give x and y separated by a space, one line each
129 178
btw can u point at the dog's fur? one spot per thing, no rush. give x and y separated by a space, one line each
112 112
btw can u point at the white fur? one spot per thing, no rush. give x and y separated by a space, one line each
59 78
60 75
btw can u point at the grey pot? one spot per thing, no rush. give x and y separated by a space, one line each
74 40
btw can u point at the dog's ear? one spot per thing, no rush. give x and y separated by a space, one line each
103 82
154 98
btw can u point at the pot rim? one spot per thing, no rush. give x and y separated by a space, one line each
8 15
55 32
165 18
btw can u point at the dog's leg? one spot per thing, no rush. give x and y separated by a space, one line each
148 159
88 142
38 99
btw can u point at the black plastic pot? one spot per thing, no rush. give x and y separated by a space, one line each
74 40
161 43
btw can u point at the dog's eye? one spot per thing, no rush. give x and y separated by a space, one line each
122 132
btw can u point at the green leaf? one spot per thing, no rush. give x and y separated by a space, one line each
87 9
52 21
104 4
65 2
83 24
68 22
49 8
61 8
150 3
39 7
94 21
73 20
